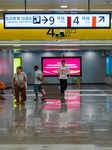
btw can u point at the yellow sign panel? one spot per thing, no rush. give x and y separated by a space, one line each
17 62
43 34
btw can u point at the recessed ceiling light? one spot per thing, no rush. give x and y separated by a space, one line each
16 45
17 49
63 6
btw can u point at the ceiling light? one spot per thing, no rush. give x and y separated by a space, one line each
47 45
103 10
26 9
1 21
17 49
17 40
63 6
15 9
16 45
61 49
35 9
74 12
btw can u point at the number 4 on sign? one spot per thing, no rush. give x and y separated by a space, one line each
76 20
52 32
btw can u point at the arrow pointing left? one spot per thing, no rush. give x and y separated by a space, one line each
45 19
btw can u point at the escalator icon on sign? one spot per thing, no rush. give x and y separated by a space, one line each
36 19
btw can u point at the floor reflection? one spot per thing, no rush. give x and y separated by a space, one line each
19 125
72 119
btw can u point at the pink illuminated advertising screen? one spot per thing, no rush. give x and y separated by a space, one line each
4 70
50 65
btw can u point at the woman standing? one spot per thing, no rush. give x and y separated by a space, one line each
19 82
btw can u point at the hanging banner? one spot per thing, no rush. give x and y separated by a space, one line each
57 21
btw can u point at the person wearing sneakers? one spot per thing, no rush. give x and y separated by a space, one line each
62 75
39 79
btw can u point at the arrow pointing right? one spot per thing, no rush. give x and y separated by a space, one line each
102 18
45 19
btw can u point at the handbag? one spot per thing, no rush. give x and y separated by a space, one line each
22 85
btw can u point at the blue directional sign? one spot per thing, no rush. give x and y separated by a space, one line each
84 20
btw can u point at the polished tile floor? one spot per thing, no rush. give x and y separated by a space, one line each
81 120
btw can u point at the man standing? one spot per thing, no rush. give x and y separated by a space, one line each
62 75
39 79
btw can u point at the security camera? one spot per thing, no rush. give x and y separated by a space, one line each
62 33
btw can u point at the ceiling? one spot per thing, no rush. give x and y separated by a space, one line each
81 5
61 45
37 6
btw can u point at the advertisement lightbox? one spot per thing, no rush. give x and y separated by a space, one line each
50 65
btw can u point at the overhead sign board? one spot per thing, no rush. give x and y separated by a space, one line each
61 21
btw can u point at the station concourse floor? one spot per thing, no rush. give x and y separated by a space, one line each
81 120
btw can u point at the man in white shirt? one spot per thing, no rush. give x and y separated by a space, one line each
39 79
62 75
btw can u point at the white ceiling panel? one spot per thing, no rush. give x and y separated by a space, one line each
55 4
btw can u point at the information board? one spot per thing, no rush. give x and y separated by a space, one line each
50 65
61 21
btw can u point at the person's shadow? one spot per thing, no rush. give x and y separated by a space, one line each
2 98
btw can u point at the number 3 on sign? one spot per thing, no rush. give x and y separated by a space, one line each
76 20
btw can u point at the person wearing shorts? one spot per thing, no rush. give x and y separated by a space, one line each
39 78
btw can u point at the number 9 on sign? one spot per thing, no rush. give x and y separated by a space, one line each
52 20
